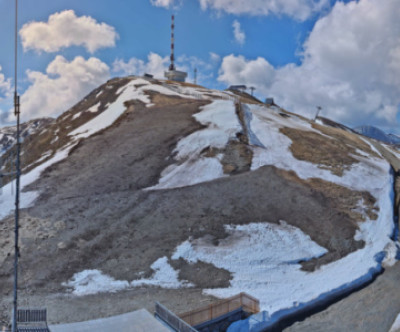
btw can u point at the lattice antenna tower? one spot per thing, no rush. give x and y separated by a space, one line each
172 65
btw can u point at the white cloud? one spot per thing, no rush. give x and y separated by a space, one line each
298 9
351 67
65 29
162 3
155 65
238 70
238 33
63 85
214 57
5 86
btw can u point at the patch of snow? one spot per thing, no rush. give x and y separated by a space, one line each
26 198
44 156
77 115
276 152
264 260
396 325
176 176
165 276
112 113
373 148
391 250
262 257
94 108
55 139
363 153
222 125
94 281
98 95
163 90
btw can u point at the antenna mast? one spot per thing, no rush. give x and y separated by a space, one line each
18 172
319 108
172 65
195 76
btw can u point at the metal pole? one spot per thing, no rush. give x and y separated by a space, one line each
18 173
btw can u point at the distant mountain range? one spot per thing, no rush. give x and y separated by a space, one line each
8 135
373 132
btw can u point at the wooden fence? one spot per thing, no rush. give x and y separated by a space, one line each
212 311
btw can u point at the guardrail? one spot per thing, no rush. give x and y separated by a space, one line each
172 320
212 311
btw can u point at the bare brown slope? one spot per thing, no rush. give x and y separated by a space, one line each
92 214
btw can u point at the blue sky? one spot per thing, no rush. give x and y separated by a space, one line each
304 53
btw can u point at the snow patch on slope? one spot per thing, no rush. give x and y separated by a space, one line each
264 259
165 276
191 168
113 112
26 198
94 281
276 152
396 325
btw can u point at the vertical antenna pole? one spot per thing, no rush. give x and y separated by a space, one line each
319 108
172 65
18 173
195 76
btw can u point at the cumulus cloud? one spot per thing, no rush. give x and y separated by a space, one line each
298 9
5 86
65 29
155 65
62 86
351 67
238 70
239 35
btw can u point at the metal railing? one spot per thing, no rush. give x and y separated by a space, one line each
172 320
212 311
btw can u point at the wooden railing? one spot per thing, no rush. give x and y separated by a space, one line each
212 311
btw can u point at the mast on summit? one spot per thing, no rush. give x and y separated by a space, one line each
172 74
172 57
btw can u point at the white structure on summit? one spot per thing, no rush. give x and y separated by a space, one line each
172 74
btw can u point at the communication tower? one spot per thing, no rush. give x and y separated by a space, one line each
172 74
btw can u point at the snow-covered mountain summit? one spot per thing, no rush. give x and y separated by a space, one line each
191 194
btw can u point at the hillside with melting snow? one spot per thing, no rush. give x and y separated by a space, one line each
151 190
